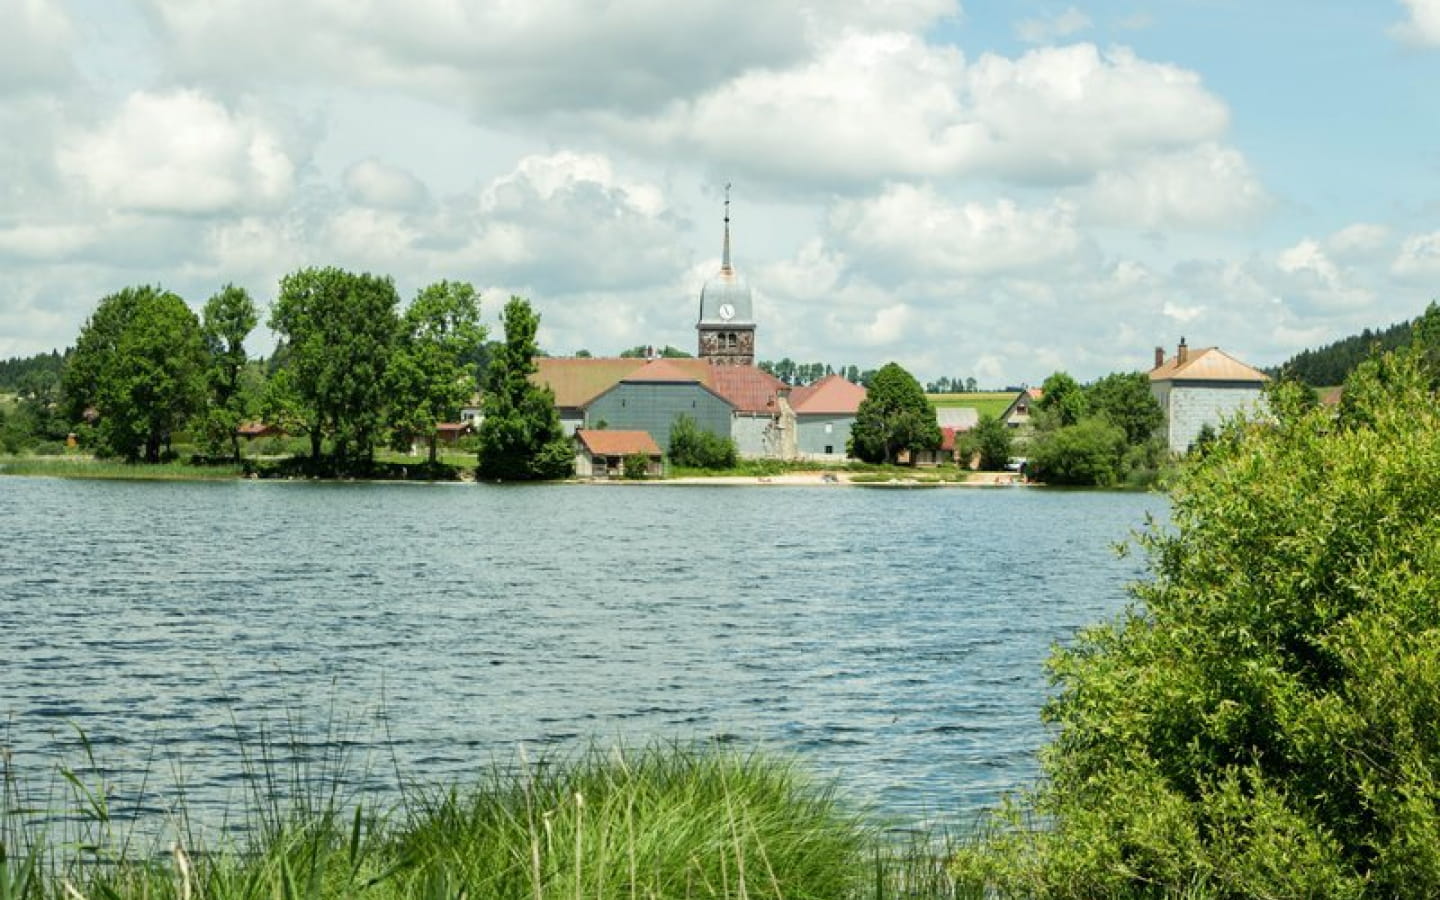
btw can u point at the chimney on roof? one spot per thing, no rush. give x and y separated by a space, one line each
1182 353
1159 357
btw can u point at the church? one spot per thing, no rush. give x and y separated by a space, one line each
721 389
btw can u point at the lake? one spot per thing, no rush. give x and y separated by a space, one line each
893 640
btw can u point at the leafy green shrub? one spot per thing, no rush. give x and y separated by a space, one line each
636 466
1089 453
1263 722
693 447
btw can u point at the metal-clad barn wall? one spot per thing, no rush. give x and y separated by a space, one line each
816 433
654 406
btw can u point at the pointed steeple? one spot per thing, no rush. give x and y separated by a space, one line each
725 257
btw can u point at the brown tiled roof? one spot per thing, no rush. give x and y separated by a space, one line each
671 370
1206 364
452 427
603 442
831 395
578 381
747 388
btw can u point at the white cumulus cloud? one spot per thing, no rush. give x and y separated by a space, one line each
180 152
1419 257
1206 186
1422 28
373 183
888 105
908 230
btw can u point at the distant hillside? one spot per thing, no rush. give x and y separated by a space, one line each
1329 365
17 371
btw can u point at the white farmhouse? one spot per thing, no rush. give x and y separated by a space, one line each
1201 387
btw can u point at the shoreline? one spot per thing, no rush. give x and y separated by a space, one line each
96 470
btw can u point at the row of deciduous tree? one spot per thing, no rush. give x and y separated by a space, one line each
350 371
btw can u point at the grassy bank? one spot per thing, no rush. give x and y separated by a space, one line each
661 822
84 466
88 467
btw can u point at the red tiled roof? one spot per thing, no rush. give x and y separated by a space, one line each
452 427
748 389
255 429
831 395
603 442
1206 364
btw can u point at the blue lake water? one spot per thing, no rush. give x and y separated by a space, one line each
893 640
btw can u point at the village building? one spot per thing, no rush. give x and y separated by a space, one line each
824 413
602 453
1017 414
1201 387
721 390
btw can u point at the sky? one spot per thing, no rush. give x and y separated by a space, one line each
987 189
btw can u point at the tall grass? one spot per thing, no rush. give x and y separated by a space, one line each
88 467
659 822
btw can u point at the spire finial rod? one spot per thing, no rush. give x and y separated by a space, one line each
725 259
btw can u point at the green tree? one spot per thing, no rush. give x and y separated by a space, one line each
1124 400
228 318
138 369
521 438
640 351
338 329
893 417
430 374
1091 452
1262 722
695 448
992 439
1062 400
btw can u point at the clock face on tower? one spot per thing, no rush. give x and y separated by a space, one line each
727 312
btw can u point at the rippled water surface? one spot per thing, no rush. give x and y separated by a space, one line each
893 639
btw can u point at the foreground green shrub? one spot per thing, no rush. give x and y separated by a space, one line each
1265 721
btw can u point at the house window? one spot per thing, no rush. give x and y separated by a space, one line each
829 428
829 449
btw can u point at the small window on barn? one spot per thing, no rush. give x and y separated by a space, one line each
829 448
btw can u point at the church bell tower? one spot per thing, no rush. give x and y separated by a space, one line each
727 321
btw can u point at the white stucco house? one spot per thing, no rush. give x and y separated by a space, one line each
1199 387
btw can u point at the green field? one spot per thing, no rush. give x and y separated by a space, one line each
992 402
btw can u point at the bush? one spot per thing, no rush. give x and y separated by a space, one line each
1263 721
636 466
692 447
1089 453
